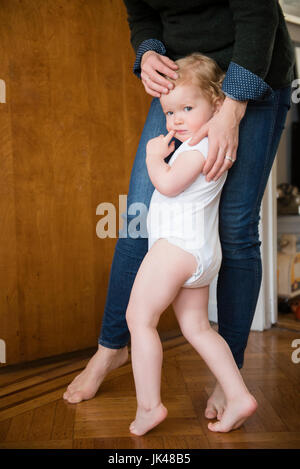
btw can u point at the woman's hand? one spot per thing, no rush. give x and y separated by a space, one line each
223 135
154 83
159 147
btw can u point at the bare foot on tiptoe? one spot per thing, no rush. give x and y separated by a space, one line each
235 414
145 420
216 404
87 383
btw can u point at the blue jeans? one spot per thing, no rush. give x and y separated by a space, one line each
240 274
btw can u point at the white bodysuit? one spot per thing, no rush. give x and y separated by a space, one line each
190 220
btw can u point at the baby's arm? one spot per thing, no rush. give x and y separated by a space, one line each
184 171
171 180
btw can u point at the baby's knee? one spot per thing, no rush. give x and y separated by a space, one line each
138 318
191 331
131 318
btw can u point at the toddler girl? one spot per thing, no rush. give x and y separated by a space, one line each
184 251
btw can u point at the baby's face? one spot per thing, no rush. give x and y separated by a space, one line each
186 110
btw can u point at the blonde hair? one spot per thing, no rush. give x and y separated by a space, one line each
202 71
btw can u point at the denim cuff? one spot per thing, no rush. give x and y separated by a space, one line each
148 44
112 346
241 84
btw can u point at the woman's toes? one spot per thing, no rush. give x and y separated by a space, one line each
210 413
75 398
214 427
220 413
67 394
133 429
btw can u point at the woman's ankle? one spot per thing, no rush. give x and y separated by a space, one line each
110 351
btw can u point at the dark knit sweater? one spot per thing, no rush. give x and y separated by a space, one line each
247 33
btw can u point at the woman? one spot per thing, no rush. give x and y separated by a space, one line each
250 42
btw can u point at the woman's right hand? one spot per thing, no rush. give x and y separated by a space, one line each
154 83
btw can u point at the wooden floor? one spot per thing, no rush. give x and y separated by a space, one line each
34 415
288 321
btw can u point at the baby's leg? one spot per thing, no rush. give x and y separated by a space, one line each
191 309
162 272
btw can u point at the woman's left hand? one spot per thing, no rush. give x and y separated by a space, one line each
223 136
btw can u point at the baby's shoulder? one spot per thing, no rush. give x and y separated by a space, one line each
202 146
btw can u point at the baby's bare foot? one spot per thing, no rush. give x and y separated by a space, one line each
145 420
216 404
87 383
235 414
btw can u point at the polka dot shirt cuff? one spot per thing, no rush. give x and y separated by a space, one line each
148 44
241 84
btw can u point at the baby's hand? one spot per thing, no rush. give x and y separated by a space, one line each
159 146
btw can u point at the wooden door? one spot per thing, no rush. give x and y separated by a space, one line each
70 125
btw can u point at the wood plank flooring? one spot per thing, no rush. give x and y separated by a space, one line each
34 415
288 321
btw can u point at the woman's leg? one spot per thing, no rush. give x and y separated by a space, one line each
129 253
240 274
191 309
163 271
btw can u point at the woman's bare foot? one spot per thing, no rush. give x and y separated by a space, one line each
235 413
216 404
87 383
145 420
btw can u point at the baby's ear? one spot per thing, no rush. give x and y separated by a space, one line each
217 106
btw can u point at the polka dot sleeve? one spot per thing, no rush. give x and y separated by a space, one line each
148 44
241 84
